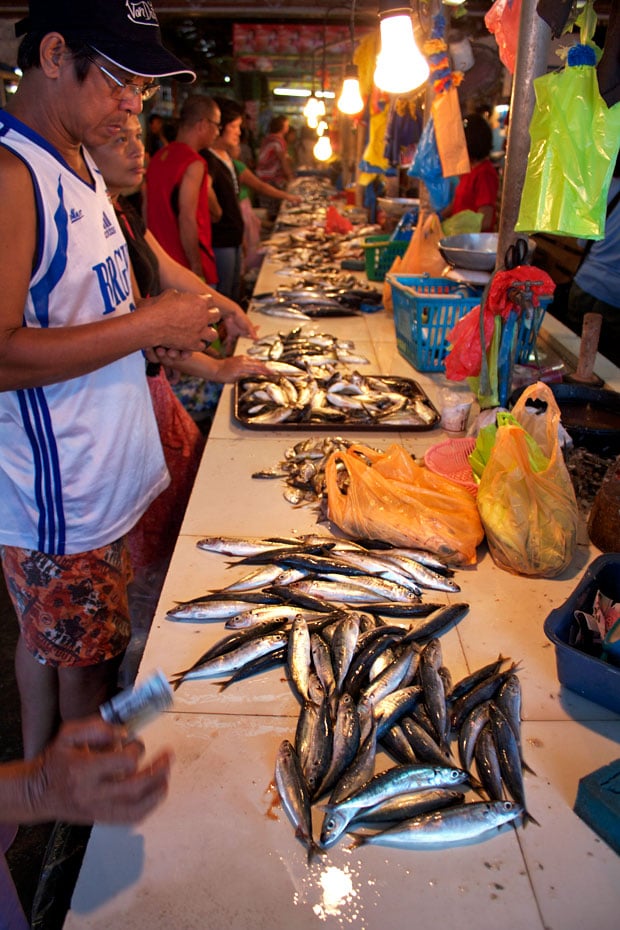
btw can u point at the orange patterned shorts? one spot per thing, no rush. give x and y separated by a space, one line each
72 609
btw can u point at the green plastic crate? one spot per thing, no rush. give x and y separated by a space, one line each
380 253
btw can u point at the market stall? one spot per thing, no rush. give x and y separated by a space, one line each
222 851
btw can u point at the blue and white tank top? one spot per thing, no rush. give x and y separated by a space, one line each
81 460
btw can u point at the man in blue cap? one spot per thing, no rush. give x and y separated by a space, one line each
80 456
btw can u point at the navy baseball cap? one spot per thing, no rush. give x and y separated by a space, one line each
124 31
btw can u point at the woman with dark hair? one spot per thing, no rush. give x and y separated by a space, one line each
274 164
477 190
228 176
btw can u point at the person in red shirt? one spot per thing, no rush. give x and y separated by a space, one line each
179 196
477 190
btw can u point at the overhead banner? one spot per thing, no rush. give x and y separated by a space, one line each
268 39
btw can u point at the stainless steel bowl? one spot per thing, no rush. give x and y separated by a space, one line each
397 206
475 251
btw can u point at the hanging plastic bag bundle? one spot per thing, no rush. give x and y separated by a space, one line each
426 165
389 496
526 499
575 138
446 109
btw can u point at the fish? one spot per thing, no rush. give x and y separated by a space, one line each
242 545
294 796
487 764
345 742
406 806
424 747
299 656
469 731
458 824
433 689
234 659
509 759
342 647
206 610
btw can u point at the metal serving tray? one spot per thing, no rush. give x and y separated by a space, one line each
407 387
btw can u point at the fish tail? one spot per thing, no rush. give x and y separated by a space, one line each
528 818
314 851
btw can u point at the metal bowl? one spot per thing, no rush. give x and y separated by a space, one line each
397 206
476 251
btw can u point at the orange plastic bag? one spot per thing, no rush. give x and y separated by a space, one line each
423 255
388 496
450 134
529 512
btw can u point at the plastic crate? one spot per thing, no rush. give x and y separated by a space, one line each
425 310
380 254
587 675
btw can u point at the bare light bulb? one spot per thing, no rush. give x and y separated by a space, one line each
313 110
350 101
323 148
401 67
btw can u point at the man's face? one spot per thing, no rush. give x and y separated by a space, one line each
107 98
211 127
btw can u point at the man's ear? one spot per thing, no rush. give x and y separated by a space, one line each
52 53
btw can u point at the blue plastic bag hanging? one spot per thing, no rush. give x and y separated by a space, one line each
426 165
575 138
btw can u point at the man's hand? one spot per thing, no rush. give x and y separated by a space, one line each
90 772
182 323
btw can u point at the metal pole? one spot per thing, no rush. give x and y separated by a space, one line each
534 39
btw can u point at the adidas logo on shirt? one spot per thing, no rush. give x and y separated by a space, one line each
109 229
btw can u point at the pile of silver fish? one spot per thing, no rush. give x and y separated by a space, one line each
305 348
303 469
313 391
364 683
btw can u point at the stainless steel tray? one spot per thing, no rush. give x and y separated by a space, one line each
299 421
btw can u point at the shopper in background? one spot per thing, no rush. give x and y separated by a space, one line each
89 772
477 190
228 177
596 285
273 165
80 455
179 197
155 135
151 541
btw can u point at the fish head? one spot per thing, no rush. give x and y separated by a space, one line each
334 825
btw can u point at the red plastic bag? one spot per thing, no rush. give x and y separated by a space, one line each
335 222
503 20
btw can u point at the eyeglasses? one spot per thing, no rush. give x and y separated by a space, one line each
218 126
119 87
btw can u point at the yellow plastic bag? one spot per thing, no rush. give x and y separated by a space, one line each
527 503
388 496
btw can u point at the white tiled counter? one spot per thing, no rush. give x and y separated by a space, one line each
221 852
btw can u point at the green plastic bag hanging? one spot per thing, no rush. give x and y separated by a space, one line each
575 138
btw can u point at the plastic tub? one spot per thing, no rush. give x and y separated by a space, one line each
585 674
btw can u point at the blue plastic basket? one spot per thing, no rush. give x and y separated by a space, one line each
425 310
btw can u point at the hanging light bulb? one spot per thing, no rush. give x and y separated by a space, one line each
350 101
313 110
401 67
323 148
